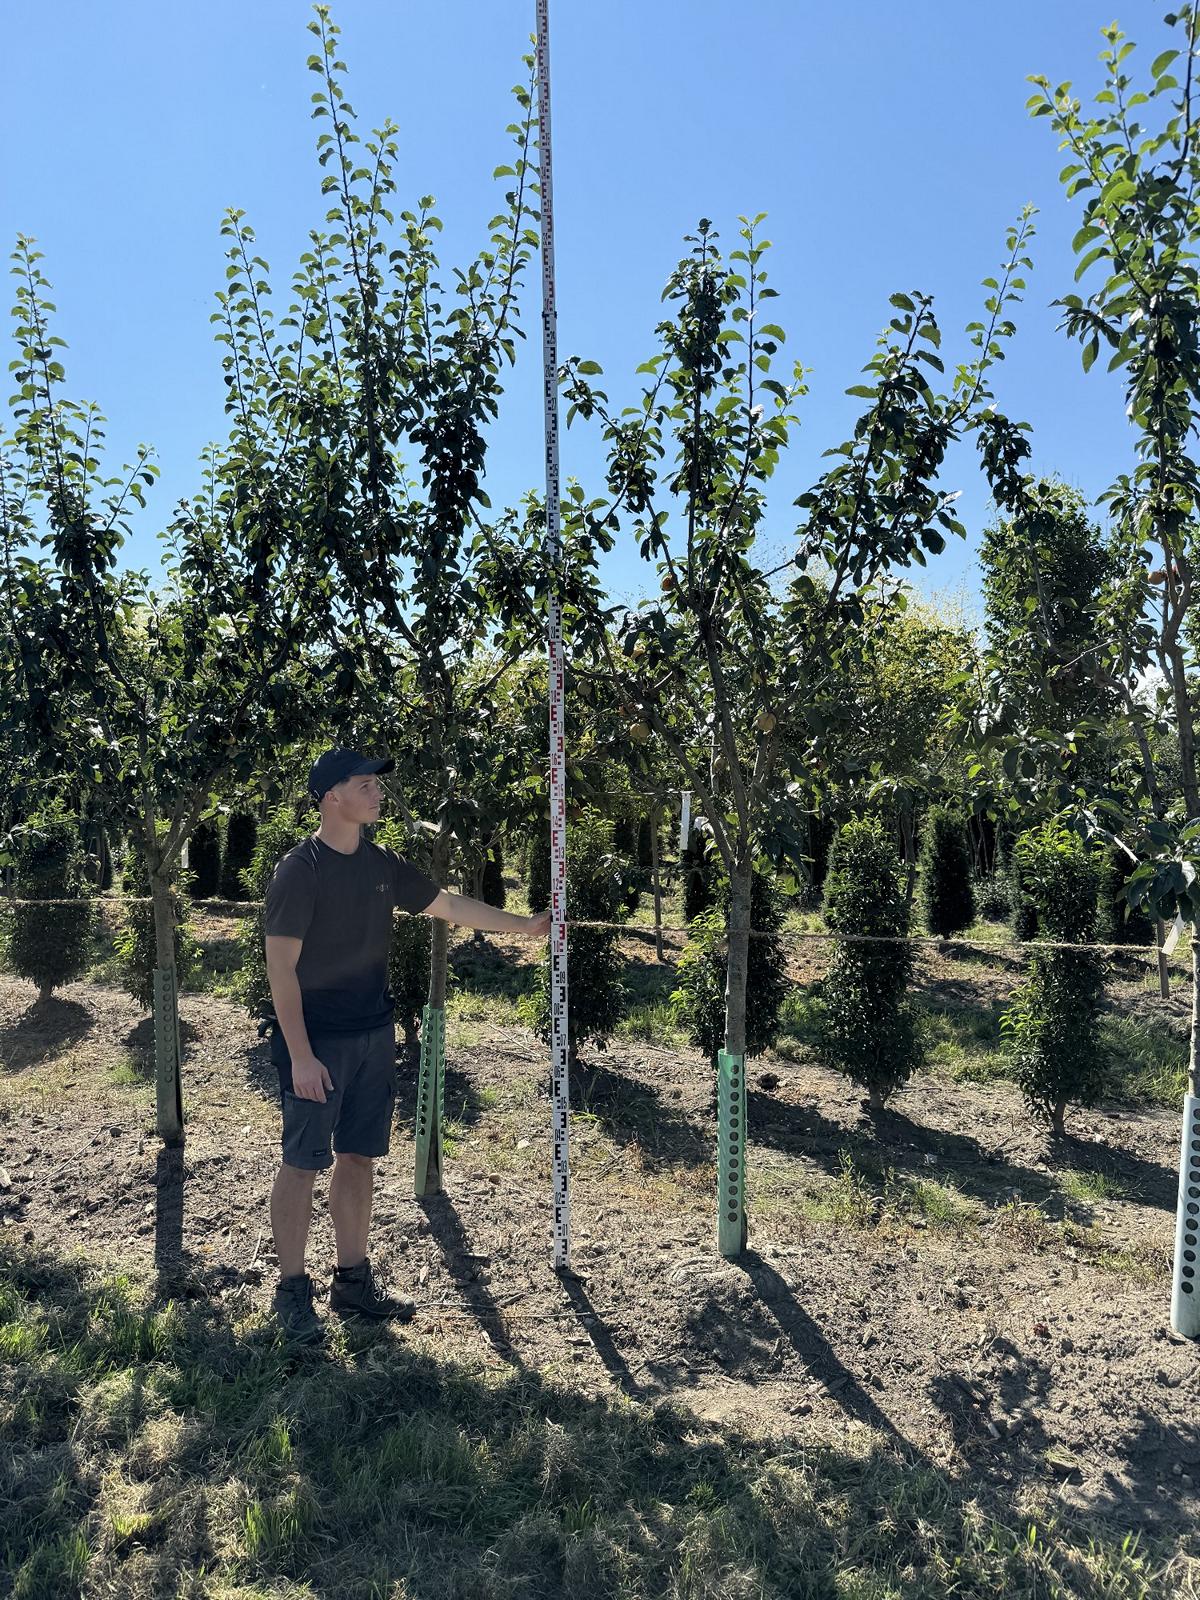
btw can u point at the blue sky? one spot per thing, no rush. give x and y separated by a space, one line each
887 142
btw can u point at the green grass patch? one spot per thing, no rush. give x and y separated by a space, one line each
799 1024
653 1022
1090 1188
186 1435
1147 1062
963 1041
468 1009
130 1071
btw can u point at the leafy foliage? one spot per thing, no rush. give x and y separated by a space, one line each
1118 921
946 883
867 1027
1052 1026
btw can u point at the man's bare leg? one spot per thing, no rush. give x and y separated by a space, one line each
351 1191
291 1214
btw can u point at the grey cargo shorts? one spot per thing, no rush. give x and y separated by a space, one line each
356 1118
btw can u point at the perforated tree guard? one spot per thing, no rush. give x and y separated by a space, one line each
1185 1294
431 1094
731 1153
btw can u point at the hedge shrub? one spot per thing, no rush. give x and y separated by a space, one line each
1052 1026
947 892
537 869
698 866
50 945
1117 922
867 1028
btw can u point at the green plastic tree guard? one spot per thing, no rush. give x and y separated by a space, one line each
431 1091
731 1153
168 1056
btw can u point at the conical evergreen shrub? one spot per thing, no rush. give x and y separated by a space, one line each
947 892
204 861
50 944
867 1026
240 839
1052 1025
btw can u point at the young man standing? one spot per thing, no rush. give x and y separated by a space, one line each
328 926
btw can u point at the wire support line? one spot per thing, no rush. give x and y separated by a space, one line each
639 931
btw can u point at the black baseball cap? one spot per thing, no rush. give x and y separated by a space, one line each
337 765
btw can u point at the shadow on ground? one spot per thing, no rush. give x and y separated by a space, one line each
377 1465
46 1029
891 1139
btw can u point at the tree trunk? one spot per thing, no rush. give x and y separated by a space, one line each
44 993
1164 970
731 1075
1058 1117
167 1065
657 881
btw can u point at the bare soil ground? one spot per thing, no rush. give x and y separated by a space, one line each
991 1300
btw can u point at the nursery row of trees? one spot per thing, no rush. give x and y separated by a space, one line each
339 573
1053 887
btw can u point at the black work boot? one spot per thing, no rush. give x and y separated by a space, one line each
359 1291
294 1310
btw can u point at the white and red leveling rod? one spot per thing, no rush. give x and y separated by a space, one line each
558 803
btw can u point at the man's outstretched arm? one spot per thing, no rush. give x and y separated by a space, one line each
468 913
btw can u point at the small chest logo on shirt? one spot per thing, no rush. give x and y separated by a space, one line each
382 888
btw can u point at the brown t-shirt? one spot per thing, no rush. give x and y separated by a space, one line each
341 907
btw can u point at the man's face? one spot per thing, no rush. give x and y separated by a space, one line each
358 799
